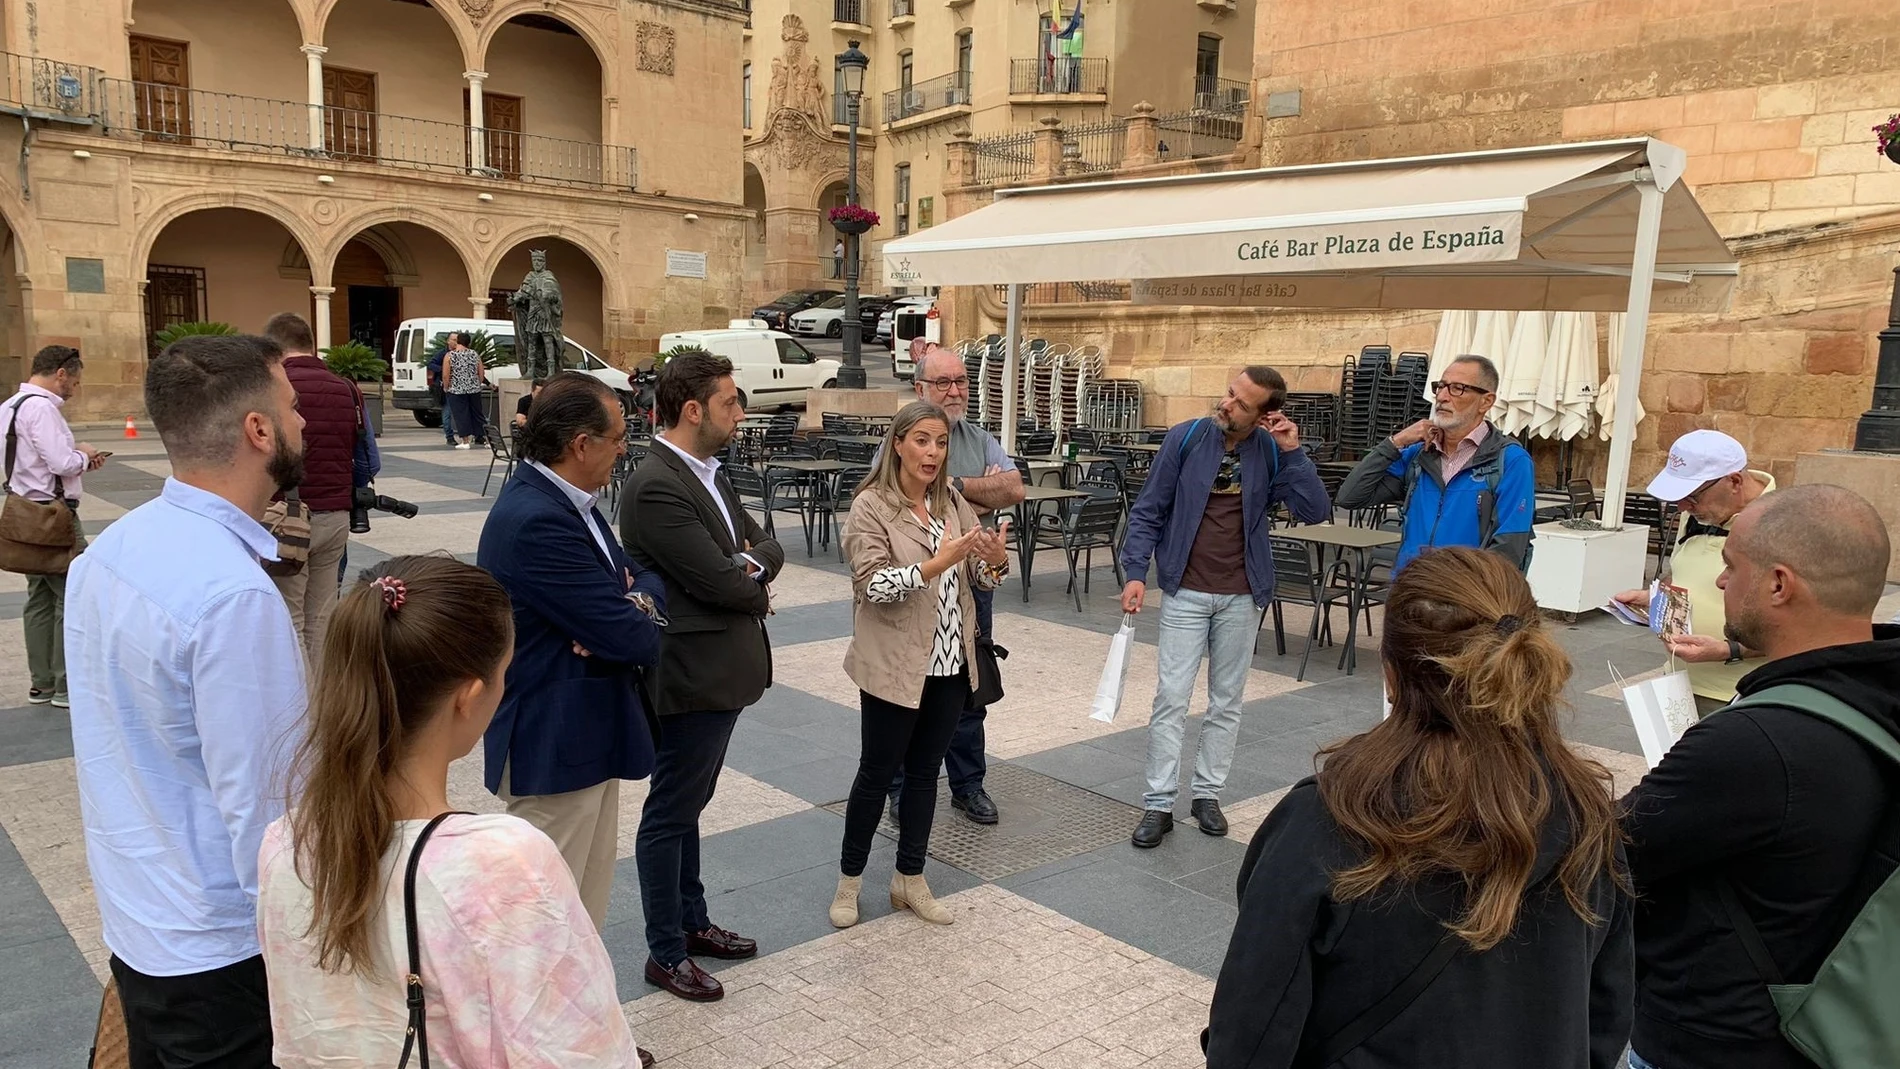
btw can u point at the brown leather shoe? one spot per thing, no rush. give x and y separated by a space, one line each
716 942
646 1057
687 980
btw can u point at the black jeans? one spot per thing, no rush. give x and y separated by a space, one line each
916 739
218 1019
964 762
686 767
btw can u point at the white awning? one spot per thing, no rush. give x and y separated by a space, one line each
1552 227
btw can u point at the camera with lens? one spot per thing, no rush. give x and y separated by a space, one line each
365 498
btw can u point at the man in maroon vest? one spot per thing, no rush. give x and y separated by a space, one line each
332 409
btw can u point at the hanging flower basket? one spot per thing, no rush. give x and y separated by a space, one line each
1887 138
851 218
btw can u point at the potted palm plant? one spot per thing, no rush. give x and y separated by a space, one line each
360 364
1887 138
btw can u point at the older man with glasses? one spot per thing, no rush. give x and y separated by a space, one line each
1708 478
1457 480
989 481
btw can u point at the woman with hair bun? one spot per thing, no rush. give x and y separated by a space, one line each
512 970
1449 890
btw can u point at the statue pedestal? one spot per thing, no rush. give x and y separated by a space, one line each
851 403
509 392
1874 476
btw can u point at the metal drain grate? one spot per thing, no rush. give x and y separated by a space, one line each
1043 820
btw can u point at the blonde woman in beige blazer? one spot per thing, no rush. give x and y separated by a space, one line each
916 552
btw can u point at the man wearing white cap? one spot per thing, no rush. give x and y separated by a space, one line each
1708 479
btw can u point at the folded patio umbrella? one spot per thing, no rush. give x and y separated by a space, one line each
1606 394
1544 407
1523 365
1455 330
1491 338
1576 402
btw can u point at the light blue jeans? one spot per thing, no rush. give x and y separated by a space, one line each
1637 1062
1220 628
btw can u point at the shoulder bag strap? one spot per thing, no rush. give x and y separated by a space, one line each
13 439
1381 1013
418 1034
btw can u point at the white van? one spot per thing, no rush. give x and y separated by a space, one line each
769 367
414 339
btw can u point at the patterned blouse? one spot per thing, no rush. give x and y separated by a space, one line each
893 584
514 973
464 371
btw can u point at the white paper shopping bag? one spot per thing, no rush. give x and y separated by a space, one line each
1661 708
1108 693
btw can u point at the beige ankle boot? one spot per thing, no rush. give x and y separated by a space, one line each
912 893
844 904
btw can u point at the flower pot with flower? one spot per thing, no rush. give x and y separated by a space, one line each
851 218
1887 138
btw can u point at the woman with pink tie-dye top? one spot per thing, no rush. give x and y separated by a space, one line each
513 972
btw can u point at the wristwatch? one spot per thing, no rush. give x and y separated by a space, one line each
1734 652
957 484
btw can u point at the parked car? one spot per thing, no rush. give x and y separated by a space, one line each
870 309
414 337
826 319
907 322
769 367
887 318
778 313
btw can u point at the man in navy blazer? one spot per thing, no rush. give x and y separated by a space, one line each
572 723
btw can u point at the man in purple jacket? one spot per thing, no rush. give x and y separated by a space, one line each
1202 518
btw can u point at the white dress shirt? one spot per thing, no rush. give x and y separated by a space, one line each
707 472
583 503
187 685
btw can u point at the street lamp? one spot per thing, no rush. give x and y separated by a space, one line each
851 65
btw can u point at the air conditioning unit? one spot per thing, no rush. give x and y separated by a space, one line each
958 95
913 102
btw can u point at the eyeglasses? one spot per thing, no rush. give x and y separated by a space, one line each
962 382
1458 389
1689 501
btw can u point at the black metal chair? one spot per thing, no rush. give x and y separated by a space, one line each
780 434
756 491
843 491
1297 579
1084 439
1036 443
856 452
1657 516
1087 524
501 448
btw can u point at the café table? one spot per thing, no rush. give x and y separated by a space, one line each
1359 541
1028 513
813 473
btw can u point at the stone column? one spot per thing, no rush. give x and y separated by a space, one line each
321 313
1144 140
479 306
477 134
959 162
313 61
1049 150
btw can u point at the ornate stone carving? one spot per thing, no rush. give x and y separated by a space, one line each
477 9
798 144
795 83
653 47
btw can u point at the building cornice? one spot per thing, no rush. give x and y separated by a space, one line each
730 10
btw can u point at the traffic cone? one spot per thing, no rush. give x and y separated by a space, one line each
131 429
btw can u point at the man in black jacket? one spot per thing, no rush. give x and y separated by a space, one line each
1792 812
680 517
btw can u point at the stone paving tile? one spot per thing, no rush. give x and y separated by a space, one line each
739 801
39 809
1011 983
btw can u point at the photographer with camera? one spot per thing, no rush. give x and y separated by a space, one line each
332 409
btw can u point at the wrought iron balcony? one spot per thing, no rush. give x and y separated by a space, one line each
1059 75
903 8
851 11
49 90
924 97
1220 94
168 115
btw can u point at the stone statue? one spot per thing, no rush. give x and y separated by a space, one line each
795 83
537 315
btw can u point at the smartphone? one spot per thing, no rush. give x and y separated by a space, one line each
103 453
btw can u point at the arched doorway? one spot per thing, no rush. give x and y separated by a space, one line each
12 305
754 262
831 265
223 265
403 269
541 104
389 63
583 288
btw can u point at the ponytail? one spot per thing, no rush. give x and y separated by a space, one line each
399 642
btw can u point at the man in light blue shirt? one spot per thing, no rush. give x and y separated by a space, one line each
187 701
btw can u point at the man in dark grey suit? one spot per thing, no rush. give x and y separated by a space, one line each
680 517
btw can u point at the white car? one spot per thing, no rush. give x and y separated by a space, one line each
414 338
900 336
887 321
769 368
826 319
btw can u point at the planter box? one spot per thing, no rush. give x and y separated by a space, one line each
1577 571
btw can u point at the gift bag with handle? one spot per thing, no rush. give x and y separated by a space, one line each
1661 708
1108 693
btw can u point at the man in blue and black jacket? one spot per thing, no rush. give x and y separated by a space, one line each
1458 480
1202 519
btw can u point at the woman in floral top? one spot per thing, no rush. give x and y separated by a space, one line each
916 551
513 971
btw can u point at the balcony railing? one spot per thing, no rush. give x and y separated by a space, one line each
1059 74
903 8
1092 148
1200 133
1005 159
1220 94
948 91
851 11
48 89
164 114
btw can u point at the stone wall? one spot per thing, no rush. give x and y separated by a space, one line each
1772 99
